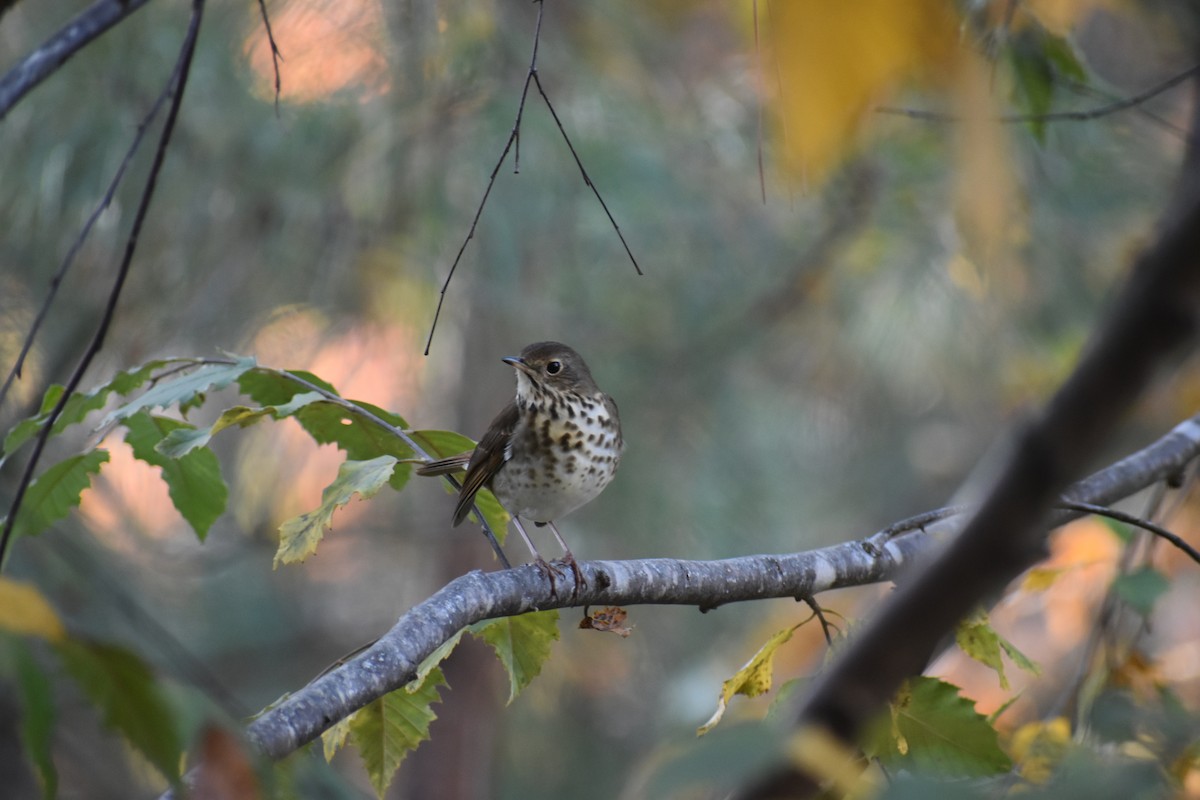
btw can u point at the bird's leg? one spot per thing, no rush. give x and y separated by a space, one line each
568 558
541 563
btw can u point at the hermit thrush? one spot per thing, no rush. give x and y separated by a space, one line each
550 451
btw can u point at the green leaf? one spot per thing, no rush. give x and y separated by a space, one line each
37 717
298 537
388 729
753 679
1140 590
334 737
443 444
194 480
270 387
182 441
182 388
521 643
80 404
977 638
122 687
932 729
56 491
360 438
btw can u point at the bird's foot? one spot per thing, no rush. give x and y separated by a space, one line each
551 572
568 560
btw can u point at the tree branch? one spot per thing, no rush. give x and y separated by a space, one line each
1155 315
55 51
392 661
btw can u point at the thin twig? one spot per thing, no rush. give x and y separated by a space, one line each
175 87
65 266
55 51
586 178
1056 116
758 71
1130 519
513 137
276 56
819 613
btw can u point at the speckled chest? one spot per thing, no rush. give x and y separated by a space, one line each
563 452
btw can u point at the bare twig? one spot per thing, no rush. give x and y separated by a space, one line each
55 51
586 178
514 140
67 262
1056 116
513 137
1138 522
276 56
175 87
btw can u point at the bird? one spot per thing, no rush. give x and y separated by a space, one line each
554 448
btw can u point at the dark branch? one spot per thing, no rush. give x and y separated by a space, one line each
1154 317
55 51
586 178
175 87
1137 522
1057 116
276 56
514 137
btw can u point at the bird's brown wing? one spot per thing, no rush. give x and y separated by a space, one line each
446 466
489 456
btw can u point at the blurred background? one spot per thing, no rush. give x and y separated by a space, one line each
808 357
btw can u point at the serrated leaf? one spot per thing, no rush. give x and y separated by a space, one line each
522 644
193 480
182 441
183 388
37 718
298 537
932 729
753 679
270 387
977 638
359 438
56 491
437 657
1140 590
123 689
26 612
81 403
391 727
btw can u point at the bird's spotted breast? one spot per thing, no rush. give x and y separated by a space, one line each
568 448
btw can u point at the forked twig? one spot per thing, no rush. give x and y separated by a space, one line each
276 56
514 144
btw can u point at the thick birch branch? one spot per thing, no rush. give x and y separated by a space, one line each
392 661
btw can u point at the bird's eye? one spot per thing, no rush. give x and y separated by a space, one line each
554 367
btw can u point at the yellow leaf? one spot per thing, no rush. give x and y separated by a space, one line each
753 679
1038 747
836 61
24 611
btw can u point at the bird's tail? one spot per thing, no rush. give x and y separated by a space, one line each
445 466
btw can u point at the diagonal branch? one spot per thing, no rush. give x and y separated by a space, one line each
1154 317
55 51
175 86
392 661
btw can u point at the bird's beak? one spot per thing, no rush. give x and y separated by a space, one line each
518 363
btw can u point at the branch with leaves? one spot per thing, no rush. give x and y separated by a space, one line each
397 677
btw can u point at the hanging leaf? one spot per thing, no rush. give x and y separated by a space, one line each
56 491
122 687
1140 590
298 537
37 717
194 480
182 441
977 638
521 643
753 679
390 728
